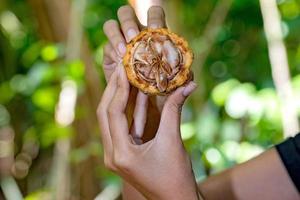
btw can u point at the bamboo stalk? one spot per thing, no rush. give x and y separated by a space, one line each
280 66
10 188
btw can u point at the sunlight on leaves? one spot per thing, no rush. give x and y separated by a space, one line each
50 53
4 116
221 92
248 151
239 100
187 130
45 98
42 194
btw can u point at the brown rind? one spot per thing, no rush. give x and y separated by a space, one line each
181 77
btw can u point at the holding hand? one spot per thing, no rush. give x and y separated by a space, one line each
160 168
154 168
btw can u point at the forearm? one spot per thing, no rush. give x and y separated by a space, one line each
263 177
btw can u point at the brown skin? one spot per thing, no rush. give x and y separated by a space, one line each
262 178
138 102
130 27
166 148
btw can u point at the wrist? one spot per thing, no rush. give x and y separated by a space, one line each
129 192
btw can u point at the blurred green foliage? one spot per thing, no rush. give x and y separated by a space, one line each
238 118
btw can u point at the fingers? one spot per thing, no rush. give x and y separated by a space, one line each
110 53
156 17
112 31
103 119
129 22
139 117
171 113
116 112
109 61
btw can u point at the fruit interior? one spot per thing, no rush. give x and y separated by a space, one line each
157 60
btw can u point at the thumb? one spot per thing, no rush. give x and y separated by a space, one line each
171 113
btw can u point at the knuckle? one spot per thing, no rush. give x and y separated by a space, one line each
121 162
100 110
175 107
108 163
115 109
128 23
124 9
111 111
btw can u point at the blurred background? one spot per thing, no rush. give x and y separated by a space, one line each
247 60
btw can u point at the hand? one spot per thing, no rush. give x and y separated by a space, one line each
160 168
113 54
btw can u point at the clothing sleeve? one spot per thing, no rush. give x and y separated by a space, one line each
289 152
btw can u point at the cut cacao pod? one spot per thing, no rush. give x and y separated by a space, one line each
158 61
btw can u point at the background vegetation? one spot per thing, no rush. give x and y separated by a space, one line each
234 115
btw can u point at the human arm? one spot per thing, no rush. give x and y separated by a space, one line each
264 177
118 36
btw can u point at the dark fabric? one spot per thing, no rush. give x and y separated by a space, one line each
289 152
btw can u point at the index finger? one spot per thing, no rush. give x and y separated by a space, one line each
118 123
102 114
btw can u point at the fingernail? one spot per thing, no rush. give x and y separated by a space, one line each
122 49
154 26
189 89
131 33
